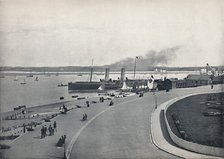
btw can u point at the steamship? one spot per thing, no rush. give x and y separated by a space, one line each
93 86
107 84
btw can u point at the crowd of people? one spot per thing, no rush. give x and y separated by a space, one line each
48 131
61 141
101 99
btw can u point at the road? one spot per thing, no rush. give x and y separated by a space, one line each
124 130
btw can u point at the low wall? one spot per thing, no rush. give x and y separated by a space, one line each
204 149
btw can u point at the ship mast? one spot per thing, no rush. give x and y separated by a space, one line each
135 65
91 72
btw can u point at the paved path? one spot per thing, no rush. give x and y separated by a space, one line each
30 146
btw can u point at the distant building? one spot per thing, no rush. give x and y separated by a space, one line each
218 79
178 83
193 80
203 71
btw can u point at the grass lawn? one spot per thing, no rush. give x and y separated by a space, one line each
199 119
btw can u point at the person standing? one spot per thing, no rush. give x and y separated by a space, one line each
42 132
65 109
45 131
55 126
83 117
24 128
50 130
87 103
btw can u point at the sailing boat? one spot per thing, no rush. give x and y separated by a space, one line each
47 74
79 74
151 84
125 87
16 78
24 82
30 75
36 79
101 88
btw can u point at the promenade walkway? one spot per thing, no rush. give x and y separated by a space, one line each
31 146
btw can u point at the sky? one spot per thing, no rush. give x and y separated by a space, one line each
73 32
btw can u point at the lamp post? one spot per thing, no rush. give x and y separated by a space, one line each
65 157
155 98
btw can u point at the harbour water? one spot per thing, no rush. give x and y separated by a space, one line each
46 90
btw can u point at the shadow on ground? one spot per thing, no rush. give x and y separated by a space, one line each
164 129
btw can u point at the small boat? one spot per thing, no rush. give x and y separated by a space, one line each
30 75
80 98
16 79
79 74
36 79
62 85
99 74
2 76
20 107
47 74
24 82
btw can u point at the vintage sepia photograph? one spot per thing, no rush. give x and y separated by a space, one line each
111 79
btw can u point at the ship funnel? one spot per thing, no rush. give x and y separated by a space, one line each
122 74
91 74
107 72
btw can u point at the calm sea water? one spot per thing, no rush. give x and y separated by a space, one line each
45 90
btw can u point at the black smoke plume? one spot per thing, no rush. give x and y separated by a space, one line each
151 59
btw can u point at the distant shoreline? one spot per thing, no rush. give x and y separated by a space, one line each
34 73
102 68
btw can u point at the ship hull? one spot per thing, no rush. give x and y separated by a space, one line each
93 86
83 86
108 85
